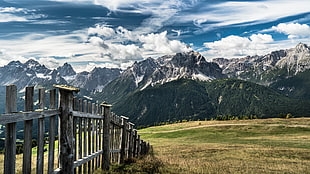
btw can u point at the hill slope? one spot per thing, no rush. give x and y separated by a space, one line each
177 100
297 86
189 99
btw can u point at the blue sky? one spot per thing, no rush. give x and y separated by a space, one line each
105 33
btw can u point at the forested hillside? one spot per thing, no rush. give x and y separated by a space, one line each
189 99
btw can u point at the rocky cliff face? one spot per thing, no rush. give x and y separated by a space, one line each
149 72
297 59
66 70
191 65
266 69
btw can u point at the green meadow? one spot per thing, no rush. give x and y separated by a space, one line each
244 146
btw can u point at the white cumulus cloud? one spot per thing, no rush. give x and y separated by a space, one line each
101 31
293 30
232 46
142 45
161 44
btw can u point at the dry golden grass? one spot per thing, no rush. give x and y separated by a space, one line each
19 162
244 146
251 146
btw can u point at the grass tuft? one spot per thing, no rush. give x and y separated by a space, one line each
147 164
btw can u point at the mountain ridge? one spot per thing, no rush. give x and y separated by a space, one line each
32 73
150 72
269 68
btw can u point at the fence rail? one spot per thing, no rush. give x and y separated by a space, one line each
90 136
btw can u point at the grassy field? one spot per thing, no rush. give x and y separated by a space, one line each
244 146
19 159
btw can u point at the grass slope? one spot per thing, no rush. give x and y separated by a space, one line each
251 146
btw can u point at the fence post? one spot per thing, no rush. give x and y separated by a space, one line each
85 135
41 130
66 156
130 142
10 134
52 129
124 139
134 152
28 131
106 136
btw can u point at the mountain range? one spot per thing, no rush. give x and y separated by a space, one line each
150 72
267 69
284 70
32 73
186 85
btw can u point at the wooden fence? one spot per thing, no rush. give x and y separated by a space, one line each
89 135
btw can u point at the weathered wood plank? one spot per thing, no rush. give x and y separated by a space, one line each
134 148
80 148
22 116
10 133
85 136
41 131
66 158
85 115
139 146
89 132
11 97
96 141
40 149
51 145
53 99
130 140
42 98
100 138
93 124
106 136
75 121
123 139
29 98
28 132
87 158
52 130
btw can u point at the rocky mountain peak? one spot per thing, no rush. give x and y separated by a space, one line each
147 63
301 47
284 63
149 72
66 70
297 59
95 80
188 59
32 63
32 73
15 64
